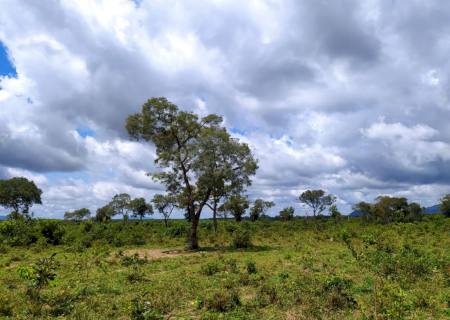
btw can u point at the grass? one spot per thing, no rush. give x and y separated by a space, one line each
293 270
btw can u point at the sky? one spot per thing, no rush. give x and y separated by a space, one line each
351 97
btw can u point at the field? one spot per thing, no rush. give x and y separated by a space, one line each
300 269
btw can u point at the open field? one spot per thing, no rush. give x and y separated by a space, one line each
301 269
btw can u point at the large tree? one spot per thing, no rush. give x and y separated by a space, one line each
196 154
77 215
140 208
165 204
259 208
317 200
236 205
19 194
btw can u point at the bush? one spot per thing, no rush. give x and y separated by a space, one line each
210 269
241 238
17 232
251 267
143 311
221 300
51 231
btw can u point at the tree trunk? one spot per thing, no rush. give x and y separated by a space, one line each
193 240
215 216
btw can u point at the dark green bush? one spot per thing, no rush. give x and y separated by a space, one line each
242 238
52 231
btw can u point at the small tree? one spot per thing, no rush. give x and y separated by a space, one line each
19 194
445 205
77 215
120 204
259 208
104 214
287 213
334 213
140 208
236 205
317 200
165 205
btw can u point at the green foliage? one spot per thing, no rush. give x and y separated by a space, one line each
19 194
77 215
242 238
52 231
222 300
445 205
287 213
250 266
104 213
317 200
198 155
236 205
259 208
294 270
143 311
210 268
165 205
390 209
40 273
140 208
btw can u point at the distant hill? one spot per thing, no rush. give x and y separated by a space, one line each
432 209
429 210
3 217
356 214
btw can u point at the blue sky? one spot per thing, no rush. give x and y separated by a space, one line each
6 67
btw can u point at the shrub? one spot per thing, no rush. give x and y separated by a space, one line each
52 231
251 267
221 300
210 269
133 260
241 238
143 311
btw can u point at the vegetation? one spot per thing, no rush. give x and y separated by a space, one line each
19 194
317 200
390 209
77 215
198 155
393 263
445 205
288 270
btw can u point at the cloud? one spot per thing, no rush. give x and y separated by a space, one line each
348 96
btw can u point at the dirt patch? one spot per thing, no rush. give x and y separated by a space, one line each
158 253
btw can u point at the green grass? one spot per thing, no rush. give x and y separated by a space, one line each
294 270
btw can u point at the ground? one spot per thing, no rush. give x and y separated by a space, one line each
293 270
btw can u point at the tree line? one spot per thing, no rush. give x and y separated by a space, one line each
200 165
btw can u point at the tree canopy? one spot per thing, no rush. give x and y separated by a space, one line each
236 205
19 194
390 209
287 213
140 208
77 215
259 208
197 155
317 200
165 204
